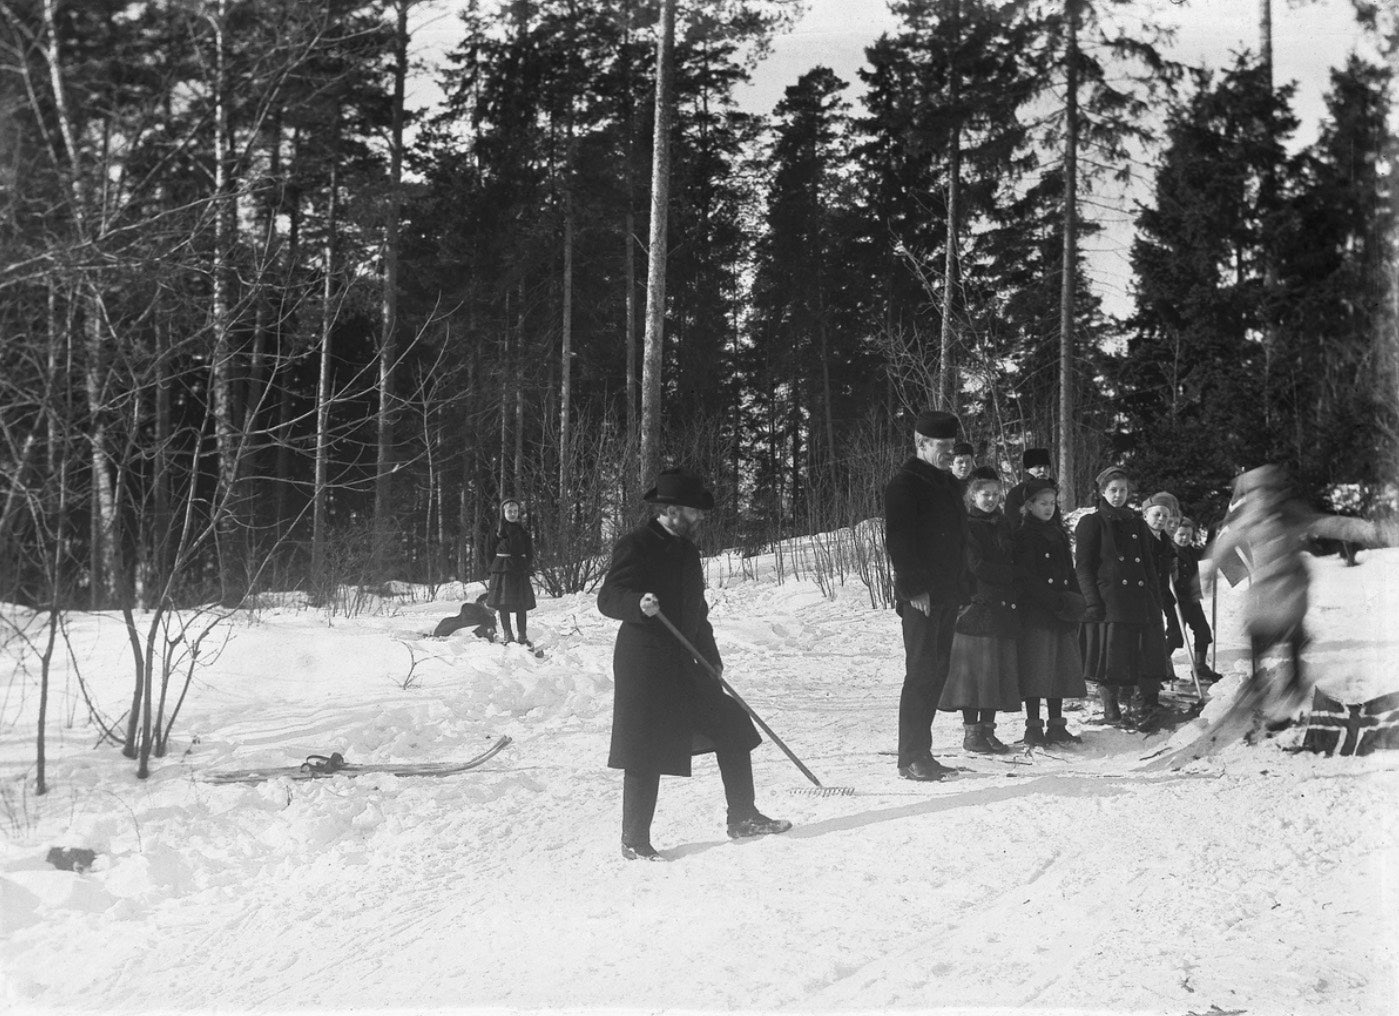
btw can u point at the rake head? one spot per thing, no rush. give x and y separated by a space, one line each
822 791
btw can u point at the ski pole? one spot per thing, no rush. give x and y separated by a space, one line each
689 648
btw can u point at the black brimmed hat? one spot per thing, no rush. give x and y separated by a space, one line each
936 424
678 487
1034 457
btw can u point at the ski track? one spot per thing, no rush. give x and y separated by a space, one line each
1255 880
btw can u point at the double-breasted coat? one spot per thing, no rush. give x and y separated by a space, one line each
992 572
666 706
512 561
1123 640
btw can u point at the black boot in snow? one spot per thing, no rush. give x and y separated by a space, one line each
998 747
640 852
757 824
1058 732
974 739
1202 667
1034 734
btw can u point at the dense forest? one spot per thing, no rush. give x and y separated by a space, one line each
266 327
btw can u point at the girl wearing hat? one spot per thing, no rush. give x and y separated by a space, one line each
508 590
1051 666
1121 635
982 676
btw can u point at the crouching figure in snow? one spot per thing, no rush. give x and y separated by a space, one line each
475 616
666 706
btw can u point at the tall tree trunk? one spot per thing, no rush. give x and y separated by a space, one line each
227 430
629 237
566 330
947 368
1069 271
320 521
1265 42
383 472
656 269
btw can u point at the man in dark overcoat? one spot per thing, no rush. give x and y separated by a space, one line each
925 525
666 706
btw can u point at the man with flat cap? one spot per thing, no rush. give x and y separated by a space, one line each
925 535
666 706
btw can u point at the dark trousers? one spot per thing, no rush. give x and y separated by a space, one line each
927 648
641 787
1194 614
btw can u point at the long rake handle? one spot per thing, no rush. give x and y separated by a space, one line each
736 697
1194 671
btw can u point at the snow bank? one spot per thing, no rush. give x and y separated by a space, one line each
1258 880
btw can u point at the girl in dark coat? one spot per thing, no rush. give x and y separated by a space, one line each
982 674
1121 636
512 562
1051 666
666 706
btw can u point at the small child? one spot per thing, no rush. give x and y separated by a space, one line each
982 673
1160 512
1122 633
1187 590
1051 666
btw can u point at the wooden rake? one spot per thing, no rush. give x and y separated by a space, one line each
817 789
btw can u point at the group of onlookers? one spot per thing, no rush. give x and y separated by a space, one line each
999 613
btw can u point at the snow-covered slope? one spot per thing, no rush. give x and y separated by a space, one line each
1259 881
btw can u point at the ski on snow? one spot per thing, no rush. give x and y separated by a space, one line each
318 767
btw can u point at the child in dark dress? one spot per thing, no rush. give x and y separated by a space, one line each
509 590
1051 666
1122 638
982 675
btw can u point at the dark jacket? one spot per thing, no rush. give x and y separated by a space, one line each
925 534
992 571
1163 559
472 615
662 698
1116 573
512 562
1187 580
1044 572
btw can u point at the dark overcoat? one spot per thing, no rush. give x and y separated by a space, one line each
1044 571
1187 578
512 561
1115 567
666 707
992 571
925 536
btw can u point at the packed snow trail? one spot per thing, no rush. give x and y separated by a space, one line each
1258 880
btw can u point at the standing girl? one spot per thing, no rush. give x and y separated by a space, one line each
512 562
1122 640
982 676
1051 667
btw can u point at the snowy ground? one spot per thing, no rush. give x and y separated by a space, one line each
1260 881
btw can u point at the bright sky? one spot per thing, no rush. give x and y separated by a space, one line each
1309 38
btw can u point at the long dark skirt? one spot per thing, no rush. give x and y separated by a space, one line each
981 674
509 591
1051 665
1121 653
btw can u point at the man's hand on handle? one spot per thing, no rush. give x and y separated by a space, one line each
922 603
650 606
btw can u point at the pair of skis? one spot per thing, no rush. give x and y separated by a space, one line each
317 767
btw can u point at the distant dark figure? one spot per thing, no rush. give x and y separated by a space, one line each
963 460
512 563
475 616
